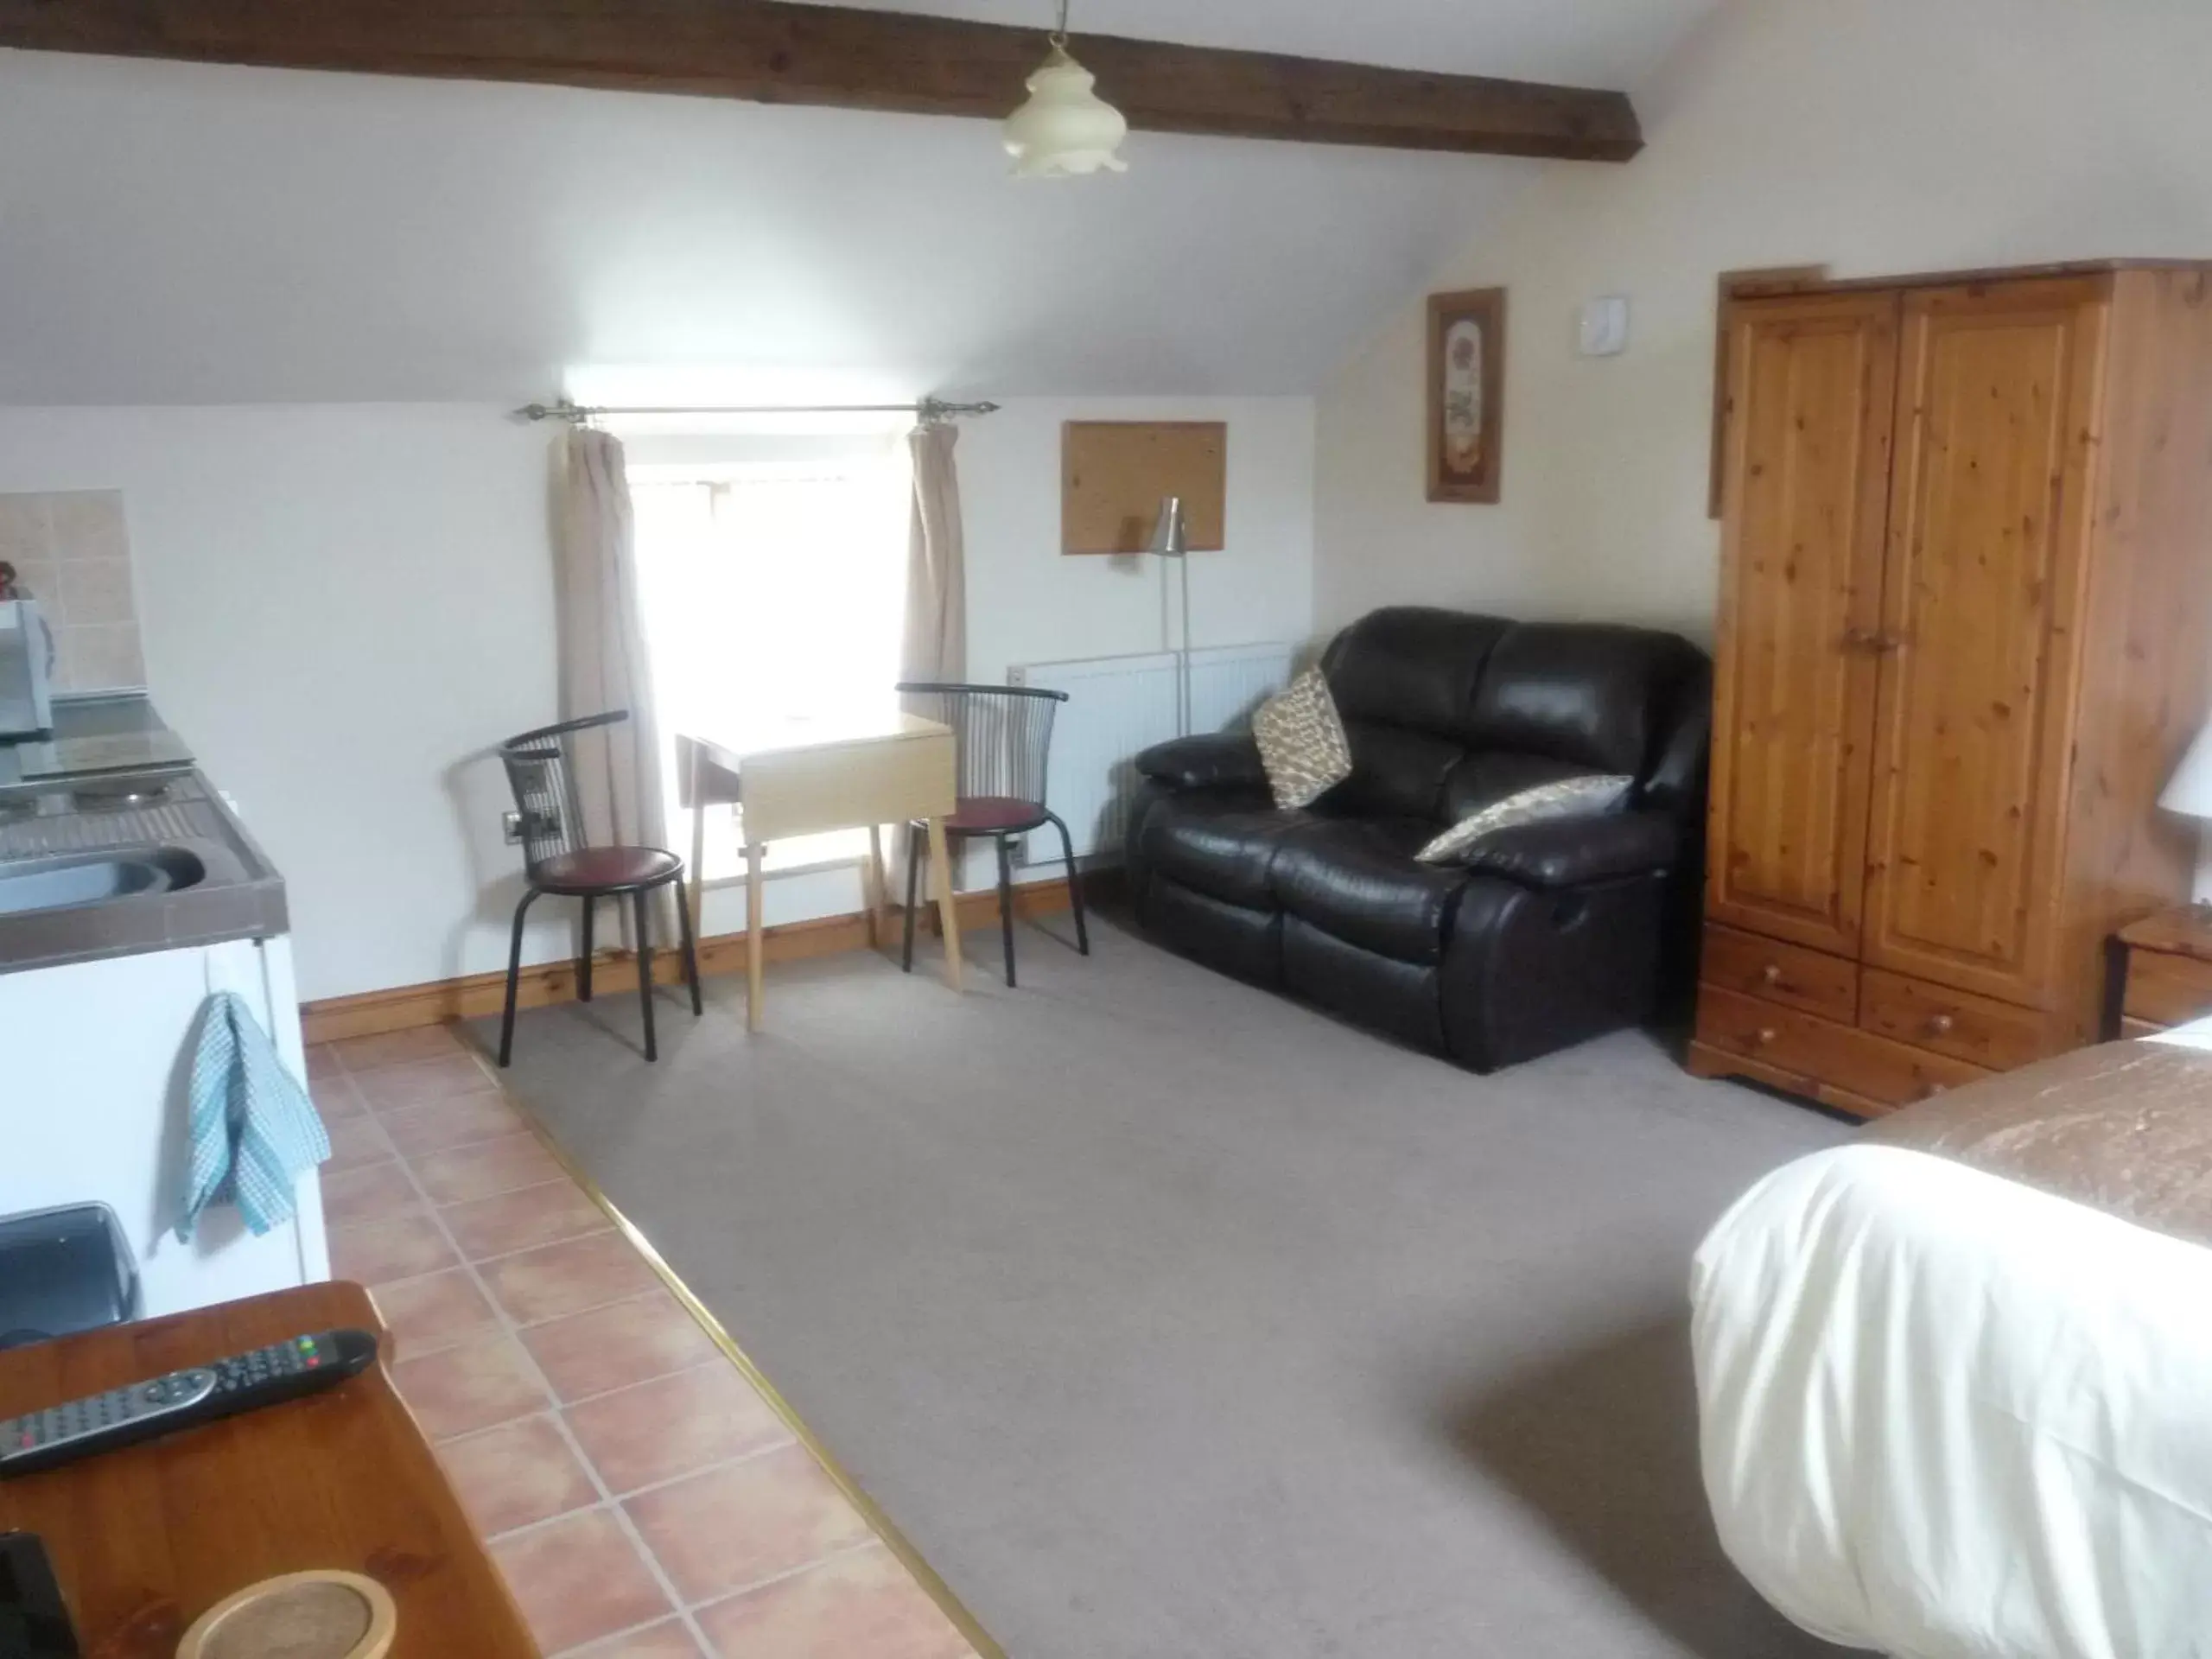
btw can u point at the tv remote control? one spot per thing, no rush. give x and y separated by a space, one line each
102 1422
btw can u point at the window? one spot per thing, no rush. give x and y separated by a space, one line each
773 591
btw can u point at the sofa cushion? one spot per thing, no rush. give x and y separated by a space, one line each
1411 666
1588 693
1356 877
1221 845
1301 741
1396 773
1485 779
1590 796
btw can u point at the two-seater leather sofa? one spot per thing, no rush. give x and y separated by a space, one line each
1551 933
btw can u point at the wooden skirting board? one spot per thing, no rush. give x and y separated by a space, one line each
473 997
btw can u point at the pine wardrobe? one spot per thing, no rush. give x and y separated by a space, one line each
1964 634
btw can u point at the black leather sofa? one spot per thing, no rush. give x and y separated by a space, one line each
1555 932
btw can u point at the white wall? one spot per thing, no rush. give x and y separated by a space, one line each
1882 136
1028 603
345 606
342 609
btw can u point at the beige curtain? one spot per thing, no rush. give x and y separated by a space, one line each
605 664
936 643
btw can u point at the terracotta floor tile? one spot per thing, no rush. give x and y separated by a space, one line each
864 1602
578 1578
486 1169
523 1219
336 1098
323 1062
404 1246
458 1121
567 1278
730 1527
470 1387
665 1641
395 1048
354 1141
434 1312
516 1474
372 1192
613 1347
656 1431
395 1088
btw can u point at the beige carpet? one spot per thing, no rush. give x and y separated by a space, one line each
1170 1318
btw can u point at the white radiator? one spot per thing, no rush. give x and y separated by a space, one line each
1119 706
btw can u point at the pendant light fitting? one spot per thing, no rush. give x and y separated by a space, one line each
1065 130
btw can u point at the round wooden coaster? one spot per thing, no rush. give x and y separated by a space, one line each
322 1615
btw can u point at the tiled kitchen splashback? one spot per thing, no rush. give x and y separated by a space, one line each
72 552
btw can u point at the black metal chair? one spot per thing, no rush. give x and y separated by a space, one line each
558 858
1005 738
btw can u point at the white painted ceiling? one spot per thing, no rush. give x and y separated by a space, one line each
186 233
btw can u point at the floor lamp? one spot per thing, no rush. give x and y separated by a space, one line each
1171 539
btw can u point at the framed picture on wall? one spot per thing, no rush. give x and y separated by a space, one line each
1465 367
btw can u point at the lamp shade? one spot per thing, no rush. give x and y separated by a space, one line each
1171 535
1065 128
2189 791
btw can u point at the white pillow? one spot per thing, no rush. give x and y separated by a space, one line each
1569 797
1302 741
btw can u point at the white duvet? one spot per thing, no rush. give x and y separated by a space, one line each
1945 1414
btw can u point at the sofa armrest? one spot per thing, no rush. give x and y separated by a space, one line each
1575 852
1212 760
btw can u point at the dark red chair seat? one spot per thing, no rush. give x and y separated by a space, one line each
995 814
606 869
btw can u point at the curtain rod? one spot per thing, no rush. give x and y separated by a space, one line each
928 409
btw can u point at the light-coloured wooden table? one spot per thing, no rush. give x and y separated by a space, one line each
799 780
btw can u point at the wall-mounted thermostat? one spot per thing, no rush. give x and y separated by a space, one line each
1604 327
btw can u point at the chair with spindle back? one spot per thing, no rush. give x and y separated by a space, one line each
1004 735
558 858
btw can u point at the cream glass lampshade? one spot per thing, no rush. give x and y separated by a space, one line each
1065 129
2188 791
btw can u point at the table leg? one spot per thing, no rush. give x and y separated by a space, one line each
941 873
754 942
697 897
877 885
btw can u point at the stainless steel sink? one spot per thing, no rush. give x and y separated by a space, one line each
78 879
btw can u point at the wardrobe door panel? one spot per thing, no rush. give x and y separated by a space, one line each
1811 400
1997 410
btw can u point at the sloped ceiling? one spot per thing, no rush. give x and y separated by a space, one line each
184 233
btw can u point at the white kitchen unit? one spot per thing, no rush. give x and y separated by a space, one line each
95 1060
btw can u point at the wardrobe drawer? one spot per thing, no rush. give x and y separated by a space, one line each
1967 1028
1825 1052
1788 974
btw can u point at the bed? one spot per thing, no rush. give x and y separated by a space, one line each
1954 1379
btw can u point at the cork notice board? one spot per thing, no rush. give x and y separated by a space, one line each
1115 473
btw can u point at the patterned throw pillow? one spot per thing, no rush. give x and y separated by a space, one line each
1302 741
1570 798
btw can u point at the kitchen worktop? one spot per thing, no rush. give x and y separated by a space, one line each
113 778
92 737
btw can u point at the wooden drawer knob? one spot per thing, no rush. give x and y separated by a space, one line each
1763 1036
1941 1025
1771 974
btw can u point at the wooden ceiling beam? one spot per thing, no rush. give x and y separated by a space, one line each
773 52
